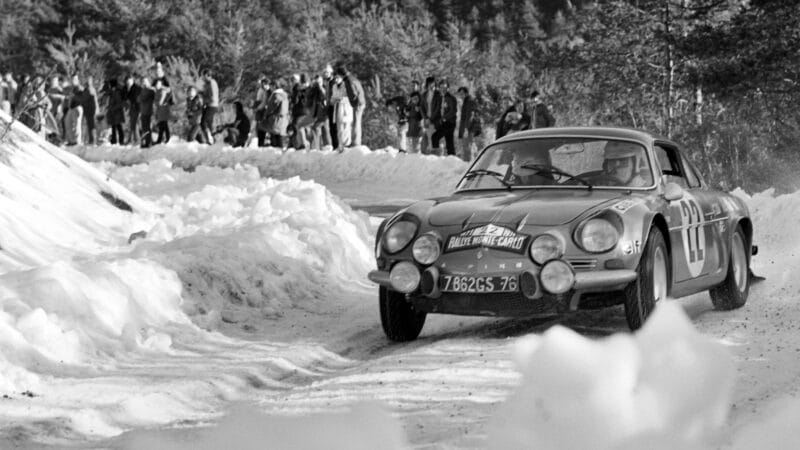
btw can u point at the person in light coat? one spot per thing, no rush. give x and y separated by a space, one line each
342 111
278 116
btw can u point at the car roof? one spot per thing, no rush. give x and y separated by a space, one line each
606 132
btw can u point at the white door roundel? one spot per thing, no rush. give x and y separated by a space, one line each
692 234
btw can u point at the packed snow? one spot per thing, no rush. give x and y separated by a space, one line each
186 296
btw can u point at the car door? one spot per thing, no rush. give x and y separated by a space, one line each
695 241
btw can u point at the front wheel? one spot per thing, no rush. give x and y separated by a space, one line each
651 285
733 291
400 321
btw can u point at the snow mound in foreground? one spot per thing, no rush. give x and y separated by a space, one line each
667 386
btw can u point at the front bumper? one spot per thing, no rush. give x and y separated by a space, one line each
584 281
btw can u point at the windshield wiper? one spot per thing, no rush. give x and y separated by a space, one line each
497 175
541 168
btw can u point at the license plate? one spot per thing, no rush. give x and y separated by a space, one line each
472 284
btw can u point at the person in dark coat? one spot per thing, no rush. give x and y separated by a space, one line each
414 133
238 131
301 119
260 108
443 116
131 93
163 109
327 75
400 105
426 99
90 107
541 117
115 111
515 118
317 108
194 115
147 97
469 124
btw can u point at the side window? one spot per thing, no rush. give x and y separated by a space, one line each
669 161
691 173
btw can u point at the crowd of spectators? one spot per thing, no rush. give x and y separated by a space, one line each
303 111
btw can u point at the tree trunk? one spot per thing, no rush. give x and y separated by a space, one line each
669 65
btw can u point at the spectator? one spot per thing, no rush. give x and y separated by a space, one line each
163 104
74 116
194 115
56 94
131 95
260 108
301 119
10 88
317 109
36 106
160 75
400 106
415 122
278 117
239 130
327 75
427 106
342 110
147 97
90 107
443 117
210 103
540 113
469 124
515 118
355 93
115 111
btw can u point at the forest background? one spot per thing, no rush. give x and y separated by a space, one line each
719 76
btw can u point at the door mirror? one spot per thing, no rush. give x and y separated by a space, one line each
673 191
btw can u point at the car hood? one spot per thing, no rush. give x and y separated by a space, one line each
543 207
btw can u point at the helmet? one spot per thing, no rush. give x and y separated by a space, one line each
623 149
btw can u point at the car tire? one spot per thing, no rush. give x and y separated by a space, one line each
400 321
651 284
733 291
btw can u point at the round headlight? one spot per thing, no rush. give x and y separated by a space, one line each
399 235
598 235
404 277
557 276
546 247
426 249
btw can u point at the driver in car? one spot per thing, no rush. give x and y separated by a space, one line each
524 171
622 162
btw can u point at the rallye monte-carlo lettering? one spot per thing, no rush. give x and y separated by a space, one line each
488 236
554 220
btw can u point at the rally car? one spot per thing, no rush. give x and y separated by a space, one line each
549 221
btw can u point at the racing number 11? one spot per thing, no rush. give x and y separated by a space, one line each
692 216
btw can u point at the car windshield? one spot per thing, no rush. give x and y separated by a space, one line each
556 162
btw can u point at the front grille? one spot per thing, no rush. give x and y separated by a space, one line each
582 263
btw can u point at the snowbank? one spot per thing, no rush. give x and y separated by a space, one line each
247 248
416 175
98 288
